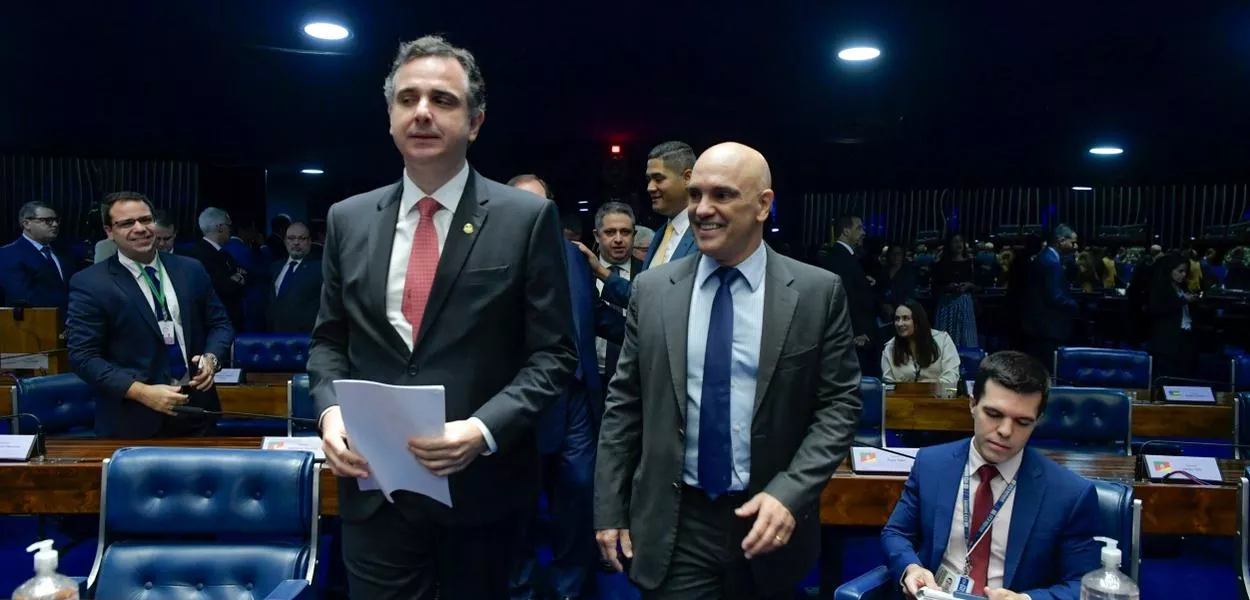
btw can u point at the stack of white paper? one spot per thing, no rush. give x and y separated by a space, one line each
379 419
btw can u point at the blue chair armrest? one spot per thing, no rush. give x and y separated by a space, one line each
291 589
873 585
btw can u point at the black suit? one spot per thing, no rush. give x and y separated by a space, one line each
295 309
496 332
28 278
861 303
613 353
221 267
1171 345
114 341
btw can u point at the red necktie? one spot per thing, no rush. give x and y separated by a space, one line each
422 264
979 560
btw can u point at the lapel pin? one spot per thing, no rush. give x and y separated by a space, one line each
468 229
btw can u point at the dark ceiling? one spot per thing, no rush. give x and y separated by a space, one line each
965 92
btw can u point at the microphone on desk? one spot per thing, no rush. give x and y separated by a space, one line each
190 411
1142 474
39 449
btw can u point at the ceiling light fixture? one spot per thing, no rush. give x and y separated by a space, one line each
312 171
326 31
1081 188
1106 150
859 53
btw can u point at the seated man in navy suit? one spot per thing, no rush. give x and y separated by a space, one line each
32 273
1031 523
145 330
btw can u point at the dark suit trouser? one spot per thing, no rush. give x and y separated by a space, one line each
404 555
568 480
707 562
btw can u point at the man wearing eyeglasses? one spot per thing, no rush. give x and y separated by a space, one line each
144 331
295 290
32 273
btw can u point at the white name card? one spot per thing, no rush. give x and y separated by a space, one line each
1186 393
969 384
16 447
875 460
18 360
228 376
1203 468
306 443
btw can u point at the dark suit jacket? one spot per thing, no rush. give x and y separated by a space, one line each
295 311
1048 309
807 408
497 334
859 293
26 277
613 353
221 266
1166 308
114 340
1053 522
616 290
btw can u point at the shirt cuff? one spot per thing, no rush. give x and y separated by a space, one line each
490 439
322 417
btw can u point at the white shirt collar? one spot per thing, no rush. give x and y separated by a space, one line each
212 243
625 267
135 267
752 269
1007 469
38 246
447 196
848 247
681 222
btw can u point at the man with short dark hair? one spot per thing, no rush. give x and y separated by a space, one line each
1049 310
32 272
1029 523
843 260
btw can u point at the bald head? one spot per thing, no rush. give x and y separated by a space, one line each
730 200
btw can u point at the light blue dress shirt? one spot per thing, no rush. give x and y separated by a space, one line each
748 303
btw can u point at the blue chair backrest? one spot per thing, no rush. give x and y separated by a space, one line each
233 523
63 403
970 362
271 352
1103 367
1086 418
300 404
1241 373
1243 538
872 418
1121 521
1241 423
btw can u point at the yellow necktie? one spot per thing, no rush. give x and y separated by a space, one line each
662 252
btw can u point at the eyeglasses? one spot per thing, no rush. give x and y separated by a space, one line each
126 224
46 220
297 238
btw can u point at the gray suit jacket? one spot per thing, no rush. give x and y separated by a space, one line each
806 411
497 333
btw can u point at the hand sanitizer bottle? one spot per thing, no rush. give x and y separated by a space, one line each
47 584
1108 583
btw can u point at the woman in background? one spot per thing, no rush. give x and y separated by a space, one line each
917 352
1171 327
954 284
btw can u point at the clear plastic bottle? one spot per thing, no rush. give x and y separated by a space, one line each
47 584
1108 583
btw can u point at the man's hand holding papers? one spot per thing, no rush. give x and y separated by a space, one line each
461 442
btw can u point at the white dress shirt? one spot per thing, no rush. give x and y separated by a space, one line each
286 270
945 367
171 298
213 244
56 261
448 198
601 345
957 546
681 223
748 303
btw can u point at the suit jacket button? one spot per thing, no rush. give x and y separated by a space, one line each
677 485
412 372
681 434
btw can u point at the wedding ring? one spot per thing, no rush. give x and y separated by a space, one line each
777 538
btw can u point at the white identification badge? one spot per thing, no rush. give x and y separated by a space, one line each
167 332
952 582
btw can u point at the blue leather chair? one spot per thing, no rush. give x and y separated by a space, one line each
1243 521
270 352
970 362
1121 520
1089 419
299 404
1241 424
64 405
872 420
1103 367
212 523
1240 373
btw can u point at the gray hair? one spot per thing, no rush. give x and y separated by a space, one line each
613 208
643 236
30 210
677 157
211 218
433 45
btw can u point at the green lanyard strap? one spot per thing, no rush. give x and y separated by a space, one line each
158 292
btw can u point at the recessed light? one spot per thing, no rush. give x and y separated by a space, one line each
859 53
326 31
1106 150
1081 188
312 171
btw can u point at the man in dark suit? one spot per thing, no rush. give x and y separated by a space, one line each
443 278
229 280
1040 538
668 171
842 260
32 273
566 436
733 404
145 330
1049 309
295 288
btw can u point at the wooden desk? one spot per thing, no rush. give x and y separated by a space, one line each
68 482
254 398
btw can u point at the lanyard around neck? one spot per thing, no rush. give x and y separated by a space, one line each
158 291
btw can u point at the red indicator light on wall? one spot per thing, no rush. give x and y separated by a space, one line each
616 149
